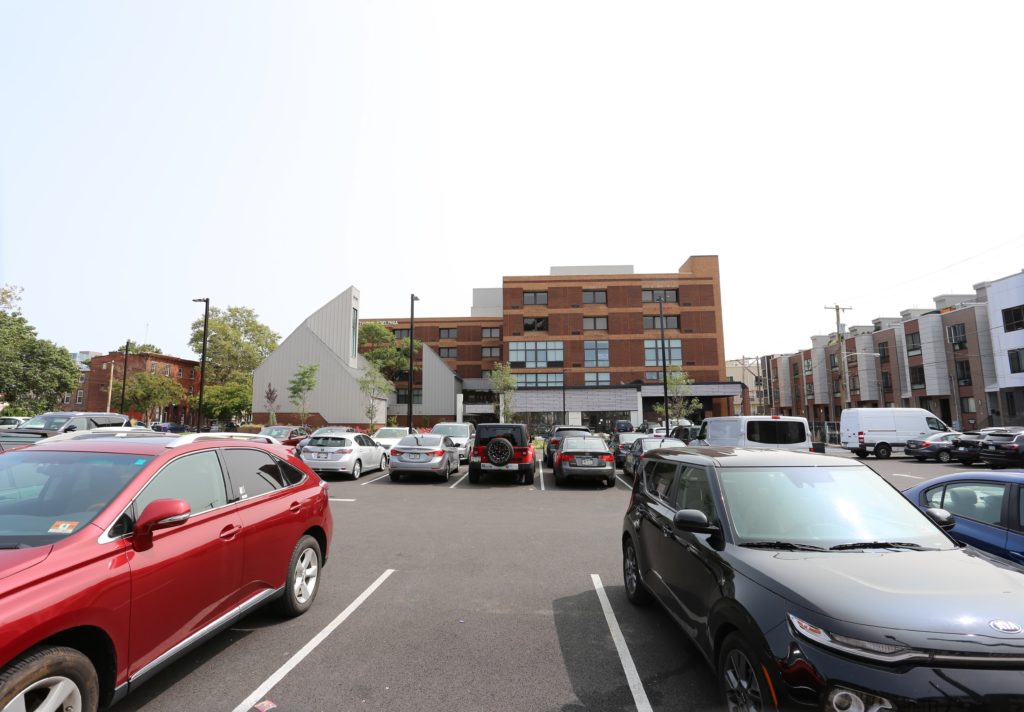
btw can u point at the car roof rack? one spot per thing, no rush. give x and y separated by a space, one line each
196 437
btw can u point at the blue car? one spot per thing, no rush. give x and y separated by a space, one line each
988 506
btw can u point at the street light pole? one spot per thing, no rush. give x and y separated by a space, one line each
412 343
664 362
202 360
124 374
564 415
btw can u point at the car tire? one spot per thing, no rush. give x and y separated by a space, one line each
357 470
530 475
395 476
636 589
609 482
921 459
47 668
559 480
860 454
943 456
883 451
474 476
447 471
741 675
303 580
383 462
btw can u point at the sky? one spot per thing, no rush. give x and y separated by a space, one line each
271 154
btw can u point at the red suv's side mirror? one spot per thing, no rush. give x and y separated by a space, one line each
158 514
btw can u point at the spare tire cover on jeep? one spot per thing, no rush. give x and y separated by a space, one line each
499 451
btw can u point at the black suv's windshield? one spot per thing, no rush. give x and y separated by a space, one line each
47 422
45 496
823 506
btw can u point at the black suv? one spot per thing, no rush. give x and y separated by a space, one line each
503 447
1003 447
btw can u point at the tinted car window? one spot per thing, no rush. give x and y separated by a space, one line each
420 440
458 430
292 475
776 432
195 478
979 501
933 497
329 441
512 433
935 424
252 472
658 478
694 492
584 444
655 443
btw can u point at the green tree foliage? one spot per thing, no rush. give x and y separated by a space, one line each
374 386
378 345
681 403
236 345
270 400
10 298
34 373
299 388
227 402
135 348
147 392
503 381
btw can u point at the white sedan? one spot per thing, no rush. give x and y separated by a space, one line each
342 452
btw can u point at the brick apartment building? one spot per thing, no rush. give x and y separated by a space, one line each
102 369
583 343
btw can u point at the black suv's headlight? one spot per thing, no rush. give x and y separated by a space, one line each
844 699
872 650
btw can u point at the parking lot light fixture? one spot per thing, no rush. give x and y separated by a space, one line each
202 360
412 342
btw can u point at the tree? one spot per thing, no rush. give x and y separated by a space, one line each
379 346
299 388
148 392
34 373
270 400
10 298
227 402
681 404
375 386
503 381
135 348
236 344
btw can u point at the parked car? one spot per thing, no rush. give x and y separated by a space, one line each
503 447
879 430
808 581
1003 448
342 452
983 505
389 437
118 555
686 433
11 421
584 457
424 454
169 428
622 426
462 434
557 433
287 434
47 424
967 447
779 432
619 445
939 447
639 448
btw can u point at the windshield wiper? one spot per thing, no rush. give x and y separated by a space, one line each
881 545
784 545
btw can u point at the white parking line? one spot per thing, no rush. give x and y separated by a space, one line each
636 686
913 477
294 660
540 466
369 482
460 479
624 482
339 499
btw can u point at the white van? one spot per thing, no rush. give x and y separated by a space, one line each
778 432
879 430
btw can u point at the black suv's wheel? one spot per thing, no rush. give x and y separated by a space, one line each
303 579
636 592
741 676
50 678
500 451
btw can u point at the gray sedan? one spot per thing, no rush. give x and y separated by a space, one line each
424 454
587 457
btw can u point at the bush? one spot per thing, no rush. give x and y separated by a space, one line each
250 428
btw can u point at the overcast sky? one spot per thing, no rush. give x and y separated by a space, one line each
270 154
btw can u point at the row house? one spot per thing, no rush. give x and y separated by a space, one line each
104 369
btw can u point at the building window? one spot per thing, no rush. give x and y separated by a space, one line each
402 395
1013 318
535 354
1011 405
193 373
449 333
355 334
595 353
535 297
886 381
913 344
654 322
883 351
535 323
591 296
401 334
490 333
181 373
808 366
653 376
539 380
968 405
485 373
673 352
854 384
152 367
963 373
835 387
67 397
660 295
80 397
190 392
595 323
448 352
597 379
167 369
1016 360
81 378
917 377
956 334
491 352
796 370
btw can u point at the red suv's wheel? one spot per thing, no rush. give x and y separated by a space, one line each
500 451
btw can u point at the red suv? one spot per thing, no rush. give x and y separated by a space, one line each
503 447
119 553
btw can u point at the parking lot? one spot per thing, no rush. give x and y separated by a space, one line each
452 596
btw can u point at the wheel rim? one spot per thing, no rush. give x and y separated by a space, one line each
742 686
307 570
356 471
383 462
51 693
631 570
944 456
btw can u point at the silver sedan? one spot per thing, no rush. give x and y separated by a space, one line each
343 453
426 454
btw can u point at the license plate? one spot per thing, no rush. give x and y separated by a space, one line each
585 461
320 455
412 456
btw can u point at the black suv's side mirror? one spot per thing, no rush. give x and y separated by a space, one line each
693 520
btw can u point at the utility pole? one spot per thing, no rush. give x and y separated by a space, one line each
842 355
412 341
124 374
